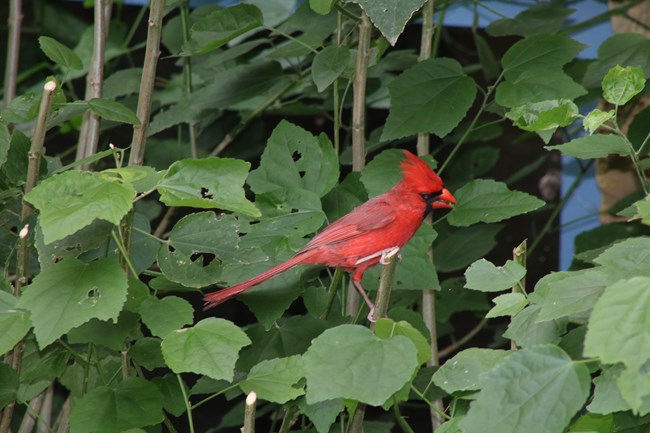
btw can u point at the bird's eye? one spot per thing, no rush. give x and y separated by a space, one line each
426 196
430 196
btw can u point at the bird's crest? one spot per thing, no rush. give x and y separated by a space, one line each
418 175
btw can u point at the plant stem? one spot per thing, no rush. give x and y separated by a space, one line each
446 351
33 167
519 257
385 286
13 50
188 406
152 53
89 133
359 123
249 413
400 420
287 421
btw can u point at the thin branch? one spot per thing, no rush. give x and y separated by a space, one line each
89 133
249 413
188 406
359 121
152 53
13 50
445 352
519 257
33 167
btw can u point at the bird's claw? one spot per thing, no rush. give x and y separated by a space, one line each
388 254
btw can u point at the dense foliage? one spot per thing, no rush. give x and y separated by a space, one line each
248 148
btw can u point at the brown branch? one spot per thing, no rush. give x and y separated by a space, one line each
13 50
152 53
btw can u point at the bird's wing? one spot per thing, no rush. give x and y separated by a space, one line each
371 216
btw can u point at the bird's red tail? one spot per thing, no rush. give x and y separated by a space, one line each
215 298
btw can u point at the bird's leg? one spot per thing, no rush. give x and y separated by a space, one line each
388 254
365 297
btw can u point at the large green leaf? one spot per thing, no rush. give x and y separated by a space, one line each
527 330
210 347
546 17
132 403
575 293
350 362
484 276
619 326
106 333
608 396
545 115
432 96
540 52
536 390
531 86
113 110
594 146
221 26
71 293
9 383
508 304
14 324
294 158
165 315
458 247
389 16
70 201
59 53
625 49
207 183
485 200
463 371
322 414
276 380
388 328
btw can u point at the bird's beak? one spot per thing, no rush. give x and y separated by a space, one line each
444 201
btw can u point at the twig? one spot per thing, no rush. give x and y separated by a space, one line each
45 420
62 424
385 286
89 133
249 413
33 166
443 353
359 122
13 50
152 53
519 257
33 409
289 417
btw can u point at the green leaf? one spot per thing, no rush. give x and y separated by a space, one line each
276 380
432 96
390 17
462 372
591 422
607 393
622 84
575 293
147 353
546 17
170 388
526 330
210 347
322 414
486 277
634 385
458 247
70 201
14 324
132 403
508 304
540 52
626 49
594 146
328 65
207 183
596 118
113 110
350 362
5 142
165 315
388 328
642 210
106 333
453 298
293 158
485 200
59 53
221 26
533 390
322 7
543 115
535 86
619 326
489 64
9 383
71 293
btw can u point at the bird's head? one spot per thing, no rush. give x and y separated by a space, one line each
421 179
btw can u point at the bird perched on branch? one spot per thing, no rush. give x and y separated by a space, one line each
363 238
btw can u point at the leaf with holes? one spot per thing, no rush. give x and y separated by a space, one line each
210 347
432 96
209 183
294 158
72 200
72 292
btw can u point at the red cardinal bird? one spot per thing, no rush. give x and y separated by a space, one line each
362 238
